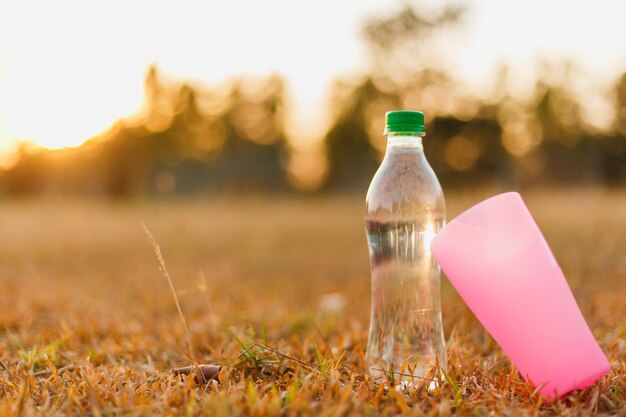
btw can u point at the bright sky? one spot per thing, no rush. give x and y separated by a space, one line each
68 69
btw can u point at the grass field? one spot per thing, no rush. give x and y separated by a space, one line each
276 291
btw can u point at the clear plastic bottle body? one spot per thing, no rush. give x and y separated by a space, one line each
405 208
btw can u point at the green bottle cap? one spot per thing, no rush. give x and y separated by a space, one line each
404 121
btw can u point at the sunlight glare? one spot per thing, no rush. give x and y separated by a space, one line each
428 236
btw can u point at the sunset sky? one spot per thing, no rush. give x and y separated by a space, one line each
68 69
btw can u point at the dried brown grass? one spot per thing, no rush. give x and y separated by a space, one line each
88 325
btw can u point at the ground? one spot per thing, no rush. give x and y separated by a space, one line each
276 291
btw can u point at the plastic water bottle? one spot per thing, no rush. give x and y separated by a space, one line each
404 210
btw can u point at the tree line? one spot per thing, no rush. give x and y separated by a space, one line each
189 139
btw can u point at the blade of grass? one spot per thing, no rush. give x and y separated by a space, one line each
166 274
291 358
247 353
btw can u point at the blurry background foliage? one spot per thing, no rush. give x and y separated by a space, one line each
189 139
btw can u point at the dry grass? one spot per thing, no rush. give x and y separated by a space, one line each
88 324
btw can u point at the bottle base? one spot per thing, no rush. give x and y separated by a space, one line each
412 376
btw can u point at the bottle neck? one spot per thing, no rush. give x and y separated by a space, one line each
404 143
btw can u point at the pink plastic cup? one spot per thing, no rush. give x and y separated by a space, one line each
497 259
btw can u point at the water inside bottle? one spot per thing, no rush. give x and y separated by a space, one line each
405 324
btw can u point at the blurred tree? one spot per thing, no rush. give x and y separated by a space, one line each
352 158
125 161
400 45
255 146
620 106
234 146
185 139
398 64
28 174
468 151
507 141
615 145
